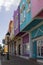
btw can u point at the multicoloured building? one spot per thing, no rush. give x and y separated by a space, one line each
25 18
35 28
28 29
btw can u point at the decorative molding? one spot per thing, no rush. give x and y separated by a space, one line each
22 8
23 17
38 38
38 32
36 26
22 20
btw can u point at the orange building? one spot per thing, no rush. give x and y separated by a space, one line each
11 25
11 31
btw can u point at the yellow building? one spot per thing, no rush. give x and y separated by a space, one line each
5 48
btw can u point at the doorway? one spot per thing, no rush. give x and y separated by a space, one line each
19 47
40 48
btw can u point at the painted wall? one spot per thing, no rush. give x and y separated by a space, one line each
16 17
37 5
26 39
25 15
41 1
10 26
11 30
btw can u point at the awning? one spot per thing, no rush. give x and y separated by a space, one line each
32 24
19 35
38 19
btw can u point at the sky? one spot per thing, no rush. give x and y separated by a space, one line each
7 8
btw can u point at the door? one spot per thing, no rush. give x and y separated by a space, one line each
19 47
34 55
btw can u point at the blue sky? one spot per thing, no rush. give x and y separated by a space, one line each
7 8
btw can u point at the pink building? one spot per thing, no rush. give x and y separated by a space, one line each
37 6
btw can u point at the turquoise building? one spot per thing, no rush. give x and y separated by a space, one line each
25 13
37 41
36 35
25 19
29 40
34 27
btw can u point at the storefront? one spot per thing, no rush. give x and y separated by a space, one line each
37 41
25 45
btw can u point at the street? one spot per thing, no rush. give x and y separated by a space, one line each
0 62
15 60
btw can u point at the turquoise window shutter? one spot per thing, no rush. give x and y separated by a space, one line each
34 54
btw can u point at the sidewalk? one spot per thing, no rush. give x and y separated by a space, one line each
41 61
15 60
25 57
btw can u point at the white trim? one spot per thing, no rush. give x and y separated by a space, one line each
41 37
39 42
30 42
38 31
38 39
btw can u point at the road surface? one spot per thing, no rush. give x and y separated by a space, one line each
0 62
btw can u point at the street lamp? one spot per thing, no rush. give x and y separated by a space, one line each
7 37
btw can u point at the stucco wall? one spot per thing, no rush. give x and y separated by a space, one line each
16 21
25 17
37 5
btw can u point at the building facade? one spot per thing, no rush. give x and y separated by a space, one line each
11 31
36 7
28 29
16 18
25 13
33 18
25 19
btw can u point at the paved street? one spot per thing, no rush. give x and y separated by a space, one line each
18 61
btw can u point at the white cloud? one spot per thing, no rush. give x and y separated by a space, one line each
1 2
8 3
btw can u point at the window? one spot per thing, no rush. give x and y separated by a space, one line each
23 5
29 7
16 23
26 48
24 14
23 17
21 10
28 1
